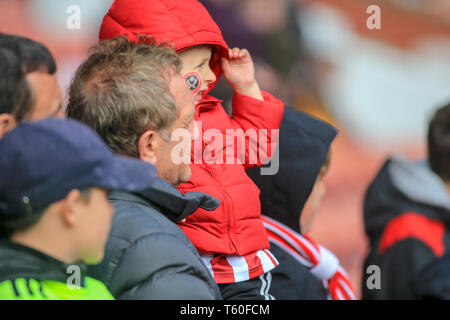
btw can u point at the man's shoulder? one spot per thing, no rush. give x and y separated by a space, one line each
133 221
138 233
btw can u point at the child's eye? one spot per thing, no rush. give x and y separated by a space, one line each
200 65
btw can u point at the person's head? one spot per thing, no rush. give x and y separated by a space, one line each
439 144
197 60
186 24
314 200
39 68
82 219
15 94
134 97
53 188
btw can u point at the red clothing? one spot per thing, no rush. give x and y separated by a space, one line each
234 268
235 228
321 262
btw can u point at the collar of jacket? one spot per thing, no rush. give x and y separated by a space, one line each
169 201
19 261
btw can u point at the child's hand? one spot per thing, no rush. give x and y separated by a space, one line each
240 73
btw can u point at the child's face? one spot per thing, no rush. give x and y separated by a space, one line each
93 225
196 59
311 206
315 198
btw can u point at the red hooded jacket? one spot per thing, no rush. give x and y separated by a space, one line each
236 226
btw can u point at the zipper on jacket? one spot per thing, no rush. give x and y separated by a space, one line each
201 107
227 202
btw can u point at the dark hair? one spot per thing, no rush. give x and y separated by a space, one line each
10 226
15 94
439 143
32 55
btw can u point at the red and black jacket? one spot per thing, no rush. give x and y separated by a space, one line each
407 221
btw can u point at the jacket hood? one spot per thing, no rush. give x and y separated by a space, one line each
183 23
418 182
404 186
168 200
303 146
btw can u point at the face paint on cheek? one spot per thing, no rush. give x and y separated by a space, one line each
194 81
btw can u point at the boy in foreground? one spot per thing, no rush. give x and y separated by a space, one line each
54 212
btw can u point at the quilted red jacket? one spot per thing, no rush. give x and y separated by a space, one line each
236 226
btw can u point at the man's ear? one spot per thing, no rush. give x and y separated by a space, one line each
7 123
69 206
147 145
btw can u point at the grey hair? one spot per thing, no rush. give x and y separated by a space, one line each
122 90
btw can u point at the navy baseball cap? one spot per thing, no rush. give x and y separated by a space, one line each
41 162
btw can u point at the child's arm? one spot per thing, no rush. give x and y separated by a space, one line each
240 73
252 108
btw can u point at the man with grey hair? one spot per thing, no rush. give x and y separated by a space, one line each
134 97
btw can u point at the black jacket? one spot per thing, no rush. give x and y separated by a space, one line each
303 147
147 255
407 220
26 273
433 281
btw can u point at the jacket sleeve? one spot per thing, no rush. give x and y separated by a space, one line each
260 121
399 266
161 267
433 281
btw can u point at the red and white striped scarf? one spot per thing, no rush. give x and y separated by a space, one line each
320 261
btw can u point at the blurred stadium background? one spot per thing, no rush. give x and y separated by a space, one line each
379 87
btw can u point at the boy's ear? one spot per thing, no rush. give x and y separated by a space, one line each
7 123
147 145
69 211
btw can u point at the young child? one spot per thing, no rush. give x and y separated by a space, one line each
54 211
232 239
289 201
